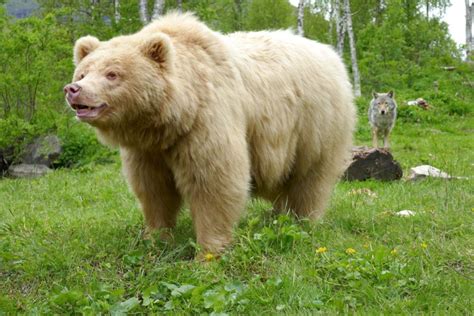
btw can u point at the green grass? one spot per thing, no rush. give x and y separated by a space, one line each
71 242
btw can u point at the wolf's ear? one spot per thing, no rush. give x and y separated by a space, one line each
83 47
375 94
159 49
390 93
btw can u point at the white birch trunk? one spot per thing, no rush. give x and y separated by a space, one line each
331 19
158 9
300 30
180 5
469 41
143 11
340 27
350 33
117 11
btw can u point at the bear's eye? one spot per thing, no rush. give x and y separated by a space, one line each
111 75
81 77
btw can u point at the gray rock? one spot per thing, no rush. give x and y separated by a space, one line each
27 171
6 159
43 151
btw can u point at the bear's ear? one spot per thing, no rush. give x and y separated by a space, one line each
375 94
159 48
83 47
390 93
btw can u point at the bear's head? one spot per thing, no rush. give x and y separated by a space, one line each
120 82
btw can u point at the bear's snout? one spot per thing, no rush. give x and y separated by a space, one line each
72 91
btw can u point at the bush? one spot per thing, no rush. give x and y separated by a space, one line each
80 145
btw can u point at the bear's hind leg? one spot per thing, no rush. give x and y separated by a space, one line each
306 195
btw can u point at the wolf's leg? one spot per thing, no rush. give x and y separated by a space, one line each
374 138
386 143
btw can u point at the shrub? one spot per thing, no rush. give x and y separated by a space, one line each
80 145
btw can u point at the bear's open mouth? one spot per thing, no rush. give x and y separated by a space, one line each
85 111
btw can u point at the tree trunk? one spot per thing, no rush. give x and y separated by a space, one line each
340 27
180 5
143 6
158 9
117 11
378 12
350 33
469 42
331 19
300 30
238 14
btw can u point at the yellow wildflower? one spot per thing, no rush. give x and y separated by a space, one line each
424 245
321 250
350 251
209 256
394 252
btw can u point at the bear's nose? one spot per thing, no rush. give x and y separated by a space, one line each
72 90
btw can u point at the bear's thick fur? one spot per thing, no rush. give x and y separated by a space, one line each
208 118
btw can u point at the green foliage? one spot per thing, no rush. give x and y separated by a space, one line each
403 48
269 14
222 15
31 47
314 22
80 146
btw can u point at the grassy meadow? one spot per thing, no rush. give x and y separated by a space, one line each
71 242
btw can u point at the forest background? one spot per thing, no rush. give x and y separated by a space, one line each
399 44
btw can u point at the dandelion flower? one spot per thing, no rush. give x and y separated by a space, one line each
350 251
394 252
321 250
424 245
208 256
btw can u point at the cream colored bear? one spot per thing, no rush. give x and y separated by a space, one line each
208 119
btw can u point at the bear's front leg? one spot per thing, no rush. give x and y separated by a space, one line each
214 177
153 184
214 216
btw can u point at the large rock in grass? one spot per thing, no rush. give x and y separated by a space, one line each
27 171
372 163
43 151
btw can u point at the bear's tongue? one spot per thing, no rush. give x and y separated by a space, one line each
89 111
84 111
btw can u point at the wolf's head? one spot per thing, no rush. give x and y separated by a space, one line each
383 103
